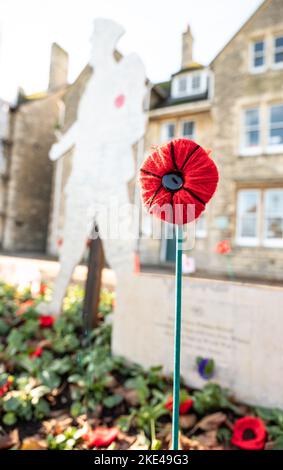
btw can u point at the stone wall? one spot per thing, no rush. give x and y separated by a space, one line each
30 174
235 88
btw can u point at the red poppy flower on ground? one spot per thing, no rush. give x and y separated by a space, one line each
223 248
249 433
185 405
6 386
177 180
46 321
24 307
101 437
37 352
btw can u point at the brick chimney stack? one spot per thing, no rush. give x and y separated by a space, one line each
58 73
187 48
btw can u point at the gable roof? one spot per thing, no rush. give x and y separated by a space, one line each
251 18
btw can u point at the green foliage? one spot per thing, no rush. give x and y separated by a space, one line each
213 397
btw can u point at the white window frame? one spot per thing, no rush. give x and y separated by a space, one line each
164 139
247 241
253 55
277 65
270 242
277 148
190 91
182 128
250 151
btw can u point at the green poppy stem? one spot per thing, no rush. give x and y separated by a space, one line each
177 338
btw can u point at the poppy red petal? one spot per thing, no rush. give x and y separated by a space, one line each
249 423
197 170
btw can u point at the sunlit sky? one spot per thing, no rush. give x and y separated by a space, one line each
153 30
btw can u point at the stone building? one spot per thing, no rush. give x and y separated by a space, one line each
26 178
234 107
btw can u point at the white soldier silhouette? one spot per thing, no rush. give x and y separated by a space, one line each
110 120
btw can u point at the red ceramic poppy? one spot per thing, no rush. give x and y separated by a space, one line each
185 405
177 180
42 289
223 248
46 321
249 433
102 437
6 386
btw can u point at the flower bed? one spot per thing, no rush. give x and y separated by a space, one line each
61 389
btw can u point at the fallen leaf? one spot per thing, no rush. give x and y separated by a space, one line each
187 421
211 422
140 443
31 443
9 440
190 444
208 439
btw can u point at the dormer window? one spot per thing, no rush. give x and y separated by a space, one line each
189 84
196 82
182 85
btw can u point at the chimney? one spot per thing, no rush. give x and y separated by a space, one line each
187 48
58 73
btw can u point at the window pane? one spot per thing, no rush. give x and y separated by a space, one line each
188 129
248 227
276 136
196 82
167 132
274 214
278 57
274 228
274 202
252 117
276 114
259 46
259 61
170 131
182 84
279 42
276 125
252 138
247 213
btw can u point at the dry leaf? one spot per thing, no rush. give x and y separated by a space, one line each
187 421
9 440
190 444
210 422
140 443
31 443
208 439
130 395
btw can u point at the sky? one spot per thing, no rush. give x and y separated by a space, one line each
153 30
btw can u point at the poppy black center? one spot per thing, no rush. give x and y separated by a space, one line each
172 181
248 435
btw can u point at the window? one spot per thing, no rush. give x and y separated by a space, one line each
252 128
182 85
201 226
273 217
247 217
258 55
260 217
188 129
278 51
276 125
196 82
167 131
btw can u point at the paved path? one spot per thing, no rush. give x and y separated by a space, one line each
21 269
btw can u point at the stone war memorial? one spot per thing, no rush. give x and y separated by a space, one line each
141 236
